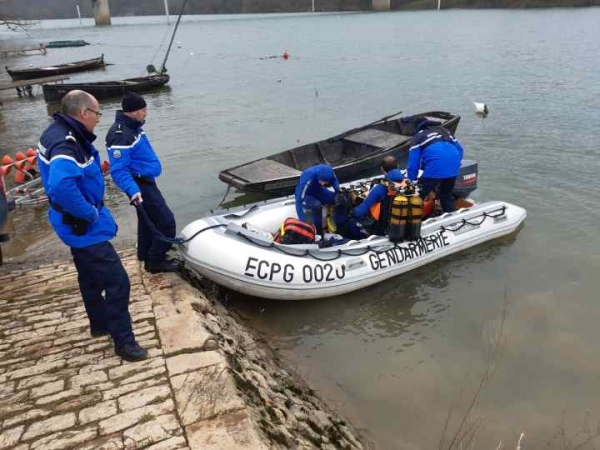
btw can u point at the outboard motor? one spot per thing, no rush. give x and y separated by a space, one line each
466 181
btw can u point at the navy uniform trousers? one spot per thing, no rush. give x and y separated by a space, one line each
99 268
444 188
150 248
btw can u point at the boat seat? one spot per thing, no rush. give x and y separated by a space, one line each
264 170
377 138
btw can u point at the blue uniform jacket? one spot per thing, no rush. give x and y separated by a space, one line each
70 170
376 195
130 154
438 153
309 186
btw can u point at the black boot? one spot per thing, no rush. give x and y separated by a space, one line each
132 352
161 266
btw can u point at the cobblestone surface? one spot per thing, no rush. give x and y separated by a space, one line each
62 389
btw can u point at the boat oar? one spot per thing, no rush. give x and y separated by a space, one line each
356 130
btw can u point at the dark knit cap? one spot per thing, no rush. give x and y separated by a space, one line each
132 102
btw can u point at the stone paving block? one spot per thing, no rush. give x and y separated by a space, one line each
64 395
174 443
10 437
67 354
47 389
51 425
152 431
85 379
79 402
35 370
181 333
145 375
205 393
7 388
98 412
36 381
144 397
26 416
188 362
106 363
232 431
135 368
113 442
130 418
65 439
109 394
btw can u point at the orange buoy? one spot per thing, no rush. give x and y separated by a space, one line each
30 152
105 166
5 170
6 160
19 156
286 55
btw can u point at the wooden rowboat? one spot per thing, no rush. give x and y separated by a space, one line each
352 154
106 89
59 69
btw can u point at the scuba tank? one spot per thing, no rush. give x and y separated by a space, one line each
415 215
398 218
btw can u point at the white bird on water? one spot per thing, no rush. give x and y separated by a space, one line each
481 108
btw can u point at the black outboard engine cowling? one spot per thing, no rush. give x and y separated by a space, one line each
466 181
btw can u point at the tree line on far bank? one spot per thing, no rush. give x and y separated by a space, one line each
66 9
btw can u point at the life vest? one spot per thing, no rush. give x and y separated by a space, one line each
295 231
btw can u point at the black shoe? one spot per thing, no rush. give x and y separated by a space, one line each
132 352
161 266
98 333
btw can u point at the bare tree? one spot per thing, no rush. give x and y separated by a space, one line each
10 22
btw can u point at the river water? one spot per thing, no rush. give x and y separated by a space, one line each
400 358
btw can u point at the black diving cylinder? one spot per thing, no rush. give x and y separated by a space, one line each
415 216
398 218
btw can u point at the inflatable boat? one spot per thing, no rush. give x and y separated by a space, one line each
236 249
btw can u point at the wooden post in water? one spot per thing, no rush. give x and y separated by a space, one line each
167 9
101 12
381 5
78 13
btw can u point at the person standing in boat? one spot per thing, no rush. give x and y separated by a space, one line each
70 170
435 150
372 216
134 167
313 192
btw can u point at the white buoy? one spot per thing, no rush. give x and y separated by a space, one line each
481 108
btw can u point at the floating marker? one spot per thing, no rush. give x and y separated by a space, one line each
481 108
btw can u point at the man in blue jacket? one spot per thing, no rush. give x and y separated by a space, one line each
312 192
134 167
435 150
377 204
71 174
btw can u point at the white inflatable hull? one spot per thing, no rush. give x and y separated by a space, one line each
245 261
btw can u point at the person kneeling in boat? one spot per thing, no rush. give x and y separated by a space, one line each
372 216
438 153
313 192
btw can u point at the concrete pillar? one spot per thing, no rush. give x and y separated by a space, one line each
381 5
101 12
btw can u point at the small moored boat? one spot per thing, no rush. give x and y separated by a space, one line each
352 154
106 89
61 44
235 249
59 69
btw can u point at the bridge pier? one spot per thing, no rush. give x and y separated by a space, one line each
101 12
381 5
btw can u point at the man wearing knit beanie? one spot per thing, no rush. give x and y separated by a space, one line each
134 167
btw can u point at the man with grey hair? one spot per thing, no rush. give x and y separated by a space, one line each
73 180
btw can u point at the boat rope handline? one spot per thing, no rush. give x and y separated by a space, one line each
160 236
375 249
